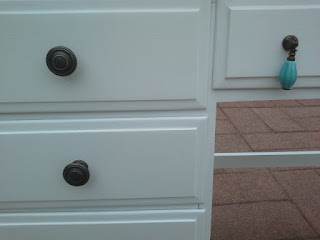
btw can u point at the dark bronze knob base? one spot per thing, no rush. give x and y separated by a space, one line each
61 61
76 173
290 42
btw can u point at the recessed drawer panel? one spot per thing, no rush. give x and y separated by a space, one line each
134 159
249 52
156 225
122 55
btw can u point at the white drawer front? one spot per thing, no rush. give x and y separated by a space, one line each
248 50
156 225
123 54
128 159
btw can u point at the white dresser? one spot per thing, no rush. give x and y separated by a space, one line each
107 109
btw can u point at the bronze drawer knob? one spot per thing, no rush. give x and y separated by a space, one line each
76 173
61 61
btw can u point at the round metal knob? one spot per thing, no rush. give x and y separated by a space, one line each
76 173
61 61
290 42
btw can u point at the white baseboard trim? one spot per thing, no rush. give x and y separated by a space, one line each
266 159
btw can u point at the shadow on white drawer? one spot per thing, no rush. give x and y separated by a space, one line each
248 42
150 161
122 55
156 225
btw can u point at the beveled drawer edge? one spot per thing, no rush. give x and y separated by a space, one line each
97 205
189 104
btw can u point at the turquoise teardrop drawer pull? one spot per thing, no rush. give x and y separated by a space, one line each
289 73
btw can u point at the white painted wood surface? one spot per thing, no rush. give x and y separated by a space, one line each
248 43
266 159
145 91
123 55
157 225
128 159
133 57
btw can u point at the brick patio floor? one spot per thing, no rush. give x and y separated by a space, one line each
267 203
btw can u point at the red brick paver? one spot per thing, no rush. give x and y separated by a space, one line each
246 121
286 103
310 102
221 115
302 112
260 221
303 187
292 168
285 141
231 143
263 104
246 187
225 127
310 124
218 171
268 203
243 170
272 141
277 120
261 118
246 104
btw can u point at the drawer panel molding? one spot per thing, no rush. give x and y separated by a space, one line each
136 161
144 225
147 57
248 43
